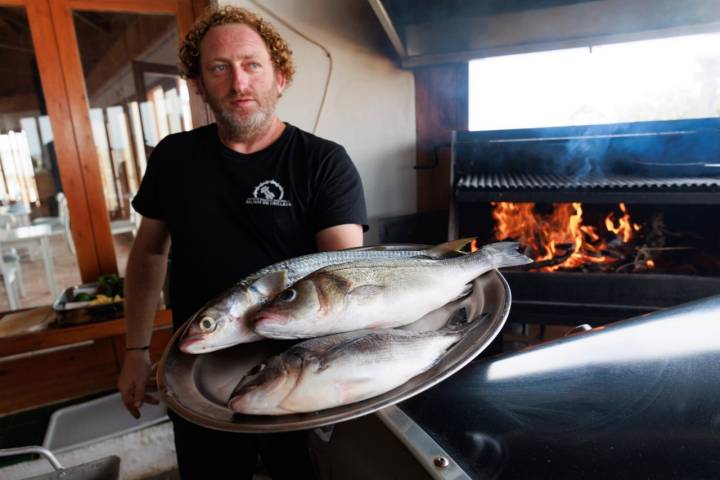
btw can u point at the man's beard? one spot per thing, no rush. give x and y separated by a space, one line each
239 127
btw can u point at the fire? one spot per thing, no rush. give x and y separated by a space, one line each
624 228
561 236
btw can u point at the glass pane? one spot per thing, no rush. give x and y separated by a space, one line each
662 79
34 270
136 98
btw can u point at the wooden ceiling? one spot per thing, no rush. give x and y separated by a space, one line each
107 42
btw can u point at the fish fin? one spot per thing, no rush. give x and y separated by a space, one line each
270 284
388 248
451 249
467 290
460 321
365 291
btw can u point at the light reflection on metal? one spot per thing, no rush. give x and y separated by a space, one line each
682 331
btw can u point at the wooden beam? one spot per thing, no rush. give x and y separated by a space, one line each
134 6
68 156
441 106
80 115
188 11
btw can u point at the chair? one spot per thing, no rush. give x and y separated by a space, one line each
130 225
10 271
59 225
11 258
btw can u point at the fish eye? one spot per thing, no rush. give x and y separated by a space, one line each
207 324
287 295
256 369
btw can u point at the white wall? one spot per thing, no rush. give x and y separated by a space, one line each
370 104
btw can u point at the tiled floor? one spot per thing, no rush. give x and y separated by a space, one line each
67 273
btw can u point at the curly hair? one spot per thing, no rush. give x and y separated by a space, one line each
189 51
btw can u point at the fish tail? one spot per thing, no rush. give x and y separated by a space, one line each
502 254
451 248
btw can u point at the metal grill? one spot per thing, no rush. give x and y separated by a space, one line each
673 162
554 182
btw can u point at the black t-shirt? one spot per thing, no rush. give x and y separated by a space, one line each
230 214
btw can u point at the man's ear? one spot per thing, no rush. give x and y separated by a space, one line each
280 82
198 86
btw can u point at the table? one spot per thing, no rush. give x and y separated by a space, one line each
29 236
21 211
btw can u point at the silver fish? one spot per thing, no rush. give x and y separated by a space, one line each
339 369
224 320
380 293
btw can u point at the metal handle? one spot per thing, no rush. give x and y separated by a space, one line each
7 452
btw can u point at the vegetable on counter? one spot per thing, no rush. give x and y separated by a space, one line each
109 290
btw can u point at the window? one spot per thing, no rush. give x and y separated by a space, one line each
78 78
664 79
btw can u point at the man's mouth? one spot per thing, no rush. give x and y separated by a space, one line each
241 101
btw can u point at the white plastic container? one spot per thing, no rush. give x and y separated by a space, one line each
89 422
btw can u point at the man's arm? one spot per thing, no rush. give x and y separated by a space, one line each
144 279
339 236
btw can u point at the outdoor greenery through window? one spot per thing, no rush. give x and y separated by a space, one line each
663 79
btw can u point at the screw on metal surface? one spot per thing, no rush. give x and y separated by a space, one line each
441 462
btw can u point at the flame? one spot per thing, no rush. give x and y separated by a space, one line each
562 234
624 228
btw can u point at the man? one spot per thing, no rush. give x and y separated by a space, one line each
223 201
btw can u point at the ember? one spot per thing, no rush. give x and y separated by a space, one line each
560 240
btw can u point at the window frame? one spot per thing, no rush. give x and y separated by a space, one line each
62 81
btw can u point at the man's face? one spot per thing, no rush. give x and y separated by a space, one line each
237 79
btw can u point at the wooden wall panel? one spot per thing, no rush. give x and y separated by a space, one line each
57 376
63 363
441 106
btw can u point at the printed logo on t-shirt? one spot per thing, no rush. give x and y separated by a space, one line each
268 192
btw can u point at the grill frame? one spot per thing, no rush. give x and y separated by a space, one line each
668 162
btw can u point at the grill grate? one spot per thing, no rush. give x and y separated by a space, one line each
523 181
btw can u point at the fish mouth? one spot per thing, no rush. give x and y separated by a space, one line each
189 344
267 323
193 345
247 406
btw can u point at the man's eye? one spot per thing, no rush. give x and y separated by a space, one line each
254 65
218 68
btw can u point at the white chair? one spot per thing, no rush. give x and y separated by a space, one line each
11 258
9 269
130 225
59 225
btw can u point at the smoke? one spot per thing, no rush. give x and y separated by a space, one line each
679 148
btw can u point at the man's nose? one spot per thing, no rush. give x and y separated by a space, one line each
240 79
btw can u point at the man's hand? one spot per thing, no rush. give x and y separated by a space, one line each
133 381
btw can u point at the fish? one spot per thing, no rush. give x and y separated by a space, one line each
224 321
380 293
343 368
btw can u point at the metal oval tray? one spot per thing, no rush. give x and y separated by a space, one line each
197 387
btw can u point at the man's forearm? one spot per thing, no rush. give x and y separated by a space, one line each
144 280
